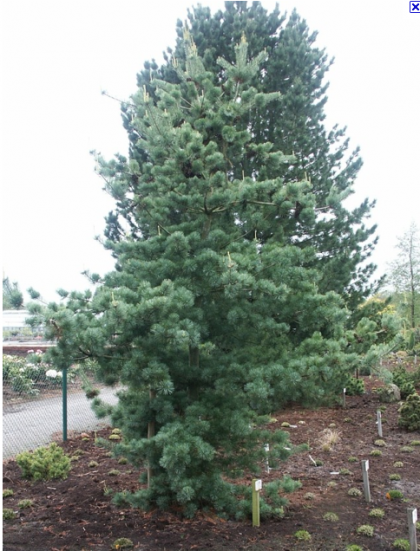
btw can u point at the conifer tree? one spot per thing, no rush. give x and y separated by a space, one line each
12 296
211 318
296 68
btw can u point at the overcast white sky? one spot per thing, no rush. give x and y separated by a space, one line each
58 56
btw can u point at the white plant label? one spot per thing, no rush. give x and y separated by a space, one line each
414 516
258 485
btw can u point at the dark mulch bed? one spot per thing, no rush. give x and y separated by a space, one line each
77 514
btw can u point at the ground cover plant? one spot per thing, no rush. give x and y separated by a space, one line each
78 512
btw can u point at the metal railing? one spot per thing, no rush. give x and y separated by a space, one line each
41 405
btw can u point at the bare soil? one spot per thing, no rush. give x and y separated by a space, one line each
76 514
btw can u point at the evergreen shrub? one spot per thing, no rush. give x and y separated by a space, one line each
355 387
409 413
44 463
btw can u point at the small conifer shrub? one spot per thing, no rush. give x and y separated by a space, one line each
8 514
354 492
375 453
122 543
7 493
44 463
353 547
365 530
355 387
401 544
394 476
303 535
377 513
331 517
394 494
25 503
409 413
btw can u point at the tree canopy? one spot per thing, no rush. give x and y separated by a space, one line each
294 124
224 303
12 296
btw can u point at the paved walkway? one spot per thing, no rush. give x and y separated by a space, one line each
33 424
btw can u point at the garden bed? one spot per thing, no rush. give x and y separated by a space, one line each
77 513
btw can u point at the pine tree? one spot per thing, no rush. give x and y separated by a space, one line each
296 68
12 296
211 318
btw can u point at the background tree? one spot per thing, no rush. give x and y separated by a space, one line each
296 68
12 296
211 318
404 275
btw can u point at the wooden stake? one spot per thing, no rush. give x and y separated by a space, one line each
365 469
412 519
256 488
379 422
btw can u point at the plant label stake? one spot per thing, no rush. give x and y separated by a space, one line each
256 489
412 519
365 469
344 398
267 449
379 422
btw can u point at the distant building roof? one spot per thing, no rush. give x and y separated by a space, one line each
15 318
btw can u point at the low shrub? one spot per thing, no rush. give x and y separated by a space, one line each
377 513
8 514
365 530
331 517
375 453
394 494
122 543
402 545
44 463
409 413
329 437
404 382
303 535
25 503
355 387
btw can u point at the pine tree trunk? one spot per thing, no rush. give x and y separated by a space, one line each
151 431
